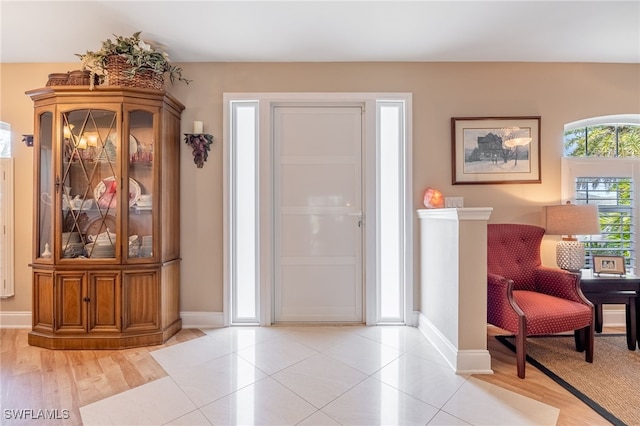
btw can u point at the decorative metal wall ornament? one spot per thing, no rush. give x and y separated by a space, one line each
201 145
28 140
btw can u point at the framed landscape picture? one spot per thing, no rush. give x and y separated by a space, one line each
494 150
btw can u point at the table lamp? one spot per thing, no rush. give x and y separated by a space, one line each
570 220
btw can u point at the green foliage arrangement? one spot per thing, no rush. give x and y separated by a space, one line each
139 54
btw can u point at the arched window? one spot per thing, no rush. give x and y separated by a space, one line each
601 165
610 136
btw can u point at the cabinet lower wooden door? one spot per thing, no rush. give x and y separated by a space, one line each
43 306
70 304
104 302
141 301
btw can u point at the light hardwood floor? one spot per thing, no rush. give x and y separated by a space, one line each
536 384
35 378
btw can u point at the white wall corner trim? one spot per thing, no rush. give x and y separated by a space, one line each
202 319
16 319
453 304
473 361
437 339
414 319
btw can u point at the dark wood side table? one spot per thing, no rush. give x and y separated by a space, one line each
614 289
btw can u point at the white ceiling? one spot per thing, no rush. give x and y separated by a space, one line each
419 30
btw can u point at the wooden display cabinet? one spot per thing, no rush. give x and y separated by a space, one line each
106 259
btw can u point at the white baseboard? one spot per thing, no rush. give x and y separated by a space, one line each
470 361
474 361
15 319
414 319
195 319
613 317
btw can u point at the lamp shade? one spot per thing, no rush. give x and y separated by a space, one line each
573 219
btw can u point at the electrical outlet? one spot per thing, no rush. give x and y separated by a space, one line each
454 202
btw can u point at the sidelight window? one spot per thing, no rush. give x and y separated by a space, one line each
6 213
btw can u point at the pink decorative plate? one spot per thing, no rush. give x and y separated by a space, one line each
105 192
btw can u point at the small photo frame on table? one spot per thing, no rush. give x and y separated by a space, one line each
608 265
494 150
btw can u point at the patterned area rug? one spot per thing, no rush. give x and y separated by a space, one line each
611 385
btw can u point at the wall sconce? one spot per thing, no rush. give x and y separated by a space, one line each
569 220
28 140
199 142
201 145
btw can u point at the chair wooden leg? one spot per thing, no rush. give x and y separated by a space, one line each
584 341
521 353
589 337
581 339
521 345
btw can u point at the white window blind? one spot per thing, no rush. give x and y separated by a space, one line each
614 197
613 184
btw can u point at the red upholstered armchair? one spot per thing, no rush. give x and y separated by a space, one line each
526 298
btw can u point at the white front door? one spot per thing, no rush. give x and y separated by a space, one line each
318 222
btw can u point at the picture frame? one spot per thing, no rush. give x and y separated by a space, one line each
608 265
495 150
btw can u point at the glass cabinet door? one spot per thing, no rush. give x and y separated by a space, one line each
141 178
89 180
46 204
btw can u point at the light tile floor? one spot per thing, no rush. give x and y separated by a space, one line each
308 375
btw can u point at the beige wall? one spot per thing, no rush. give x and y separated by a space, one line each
559 93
